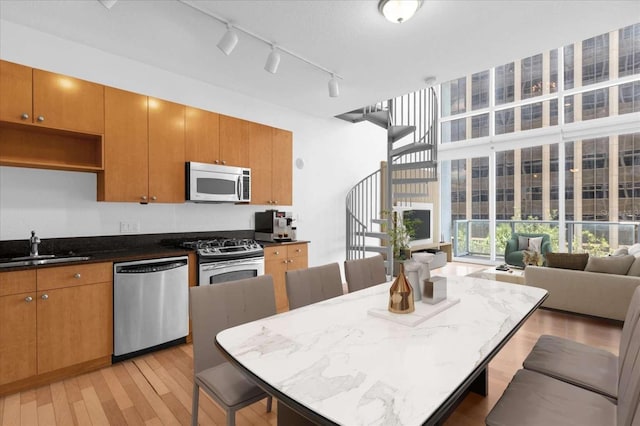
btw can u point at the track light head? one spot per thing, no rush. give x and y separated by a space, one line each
334 89
108 4
228 42
273 60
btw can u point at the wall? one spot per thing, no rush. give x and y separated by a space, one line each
63 204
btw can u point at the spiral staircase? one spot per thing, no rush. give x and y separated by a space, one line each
411 122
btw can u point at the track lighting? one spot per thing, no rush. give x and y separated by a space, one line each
108 4
228 42
334 89
230 39
273 60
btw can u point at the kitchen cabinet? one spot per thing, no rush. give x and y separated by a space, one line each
277 261
202 136
17 326
144 149
54 322
234 141
270 159
44 98
66 133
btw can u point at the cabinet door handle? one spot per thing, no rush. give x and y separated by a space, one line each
40 118
24 116
276 253
76 275
143 197
28 299
224 162
216 161
44 296
154 198
275 202
285 261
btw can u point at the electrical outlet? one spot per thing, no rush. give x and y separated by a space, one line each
129 227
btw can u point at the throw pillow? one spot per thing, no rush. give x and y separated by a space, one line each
622 251
634 271
523 243
618 265
576 261
535 244
634 249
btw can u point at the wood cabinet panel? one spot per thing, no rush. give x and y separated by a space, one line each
234 141
282 175
74 275
280 259
260 162
15 282
126 148
16 89
64 102
17 337
166 151
202 136
74 325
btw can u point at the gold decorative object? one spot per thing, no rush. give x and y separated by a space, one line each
401 295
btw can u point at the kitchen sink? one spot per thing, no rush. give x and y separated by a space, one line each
40 260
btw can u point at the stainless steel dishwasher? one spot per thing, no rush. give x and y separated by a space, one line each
150 305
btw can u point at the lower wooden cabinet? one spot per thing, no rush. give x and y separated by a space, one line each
280 259
54 322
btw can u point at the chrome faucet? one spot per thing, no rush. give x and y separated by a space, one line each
34 241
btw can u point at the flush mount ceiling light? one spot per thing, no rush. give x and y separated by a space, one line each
399 11
273 60
230 39
108 4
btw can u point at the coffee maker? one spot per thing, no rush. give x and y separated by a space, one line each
274 226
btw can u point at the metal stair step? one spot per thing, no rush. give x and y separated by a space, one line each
412 148
379 118
407 195
414 166
395 133
376 249
405 181
355 116
379 221
373 234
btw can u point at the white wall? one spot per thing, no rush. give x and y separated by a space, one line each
63 204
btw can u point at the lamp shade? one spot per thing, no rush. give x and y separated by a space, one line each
399 11
228 42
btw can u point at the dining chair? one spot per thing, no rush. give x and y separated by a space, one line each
215 308
585 366
366 272
534 399
311 285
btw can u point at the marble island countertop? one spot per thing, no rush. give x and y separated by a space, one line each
352 368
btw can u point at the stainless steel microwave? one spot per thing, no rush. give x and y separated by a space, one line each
214 183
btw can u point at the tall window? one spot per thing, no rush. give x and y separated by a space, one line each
595 59
629 98
454 130
454 97
595 104
480 125
629 177
595 179
554 184
504 185
531 76
553 71
505 84
504 121
480 188
531 183
480 90
531 116
458 189
629 50
571 169
568 67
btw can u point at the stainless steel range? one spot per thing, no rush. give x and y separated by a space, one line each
227 259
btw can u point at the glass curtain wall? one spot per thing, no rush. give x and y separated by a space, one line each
587 185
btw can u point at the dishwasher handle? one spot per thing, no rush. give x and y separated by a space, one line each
145 268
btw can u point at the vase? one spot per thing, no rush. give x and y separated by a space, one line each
401 295
412 272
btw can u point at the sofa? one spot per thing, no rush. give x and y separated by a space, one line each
519 242
603 288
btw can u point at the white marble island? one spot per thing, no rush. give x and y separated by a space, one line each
335 363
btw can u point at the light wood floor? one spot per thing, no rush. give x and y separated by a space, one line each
155 389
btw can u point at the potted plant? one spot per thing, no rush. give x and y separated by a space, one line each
400 233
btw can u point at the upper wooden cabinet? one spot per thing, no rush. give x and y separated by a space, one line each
234 141
144 149
50 100
270 159
202 136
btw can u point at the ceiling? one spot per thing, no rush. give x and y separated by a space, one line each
376 59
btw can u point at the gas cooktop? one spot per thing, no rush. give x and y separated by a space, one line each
225 248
